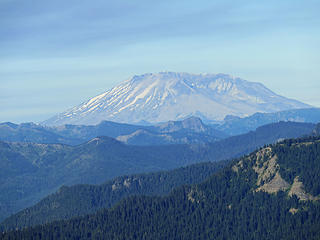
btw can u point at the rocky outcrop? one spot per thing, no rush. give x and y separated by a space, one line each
293 210
297 189
268 176
266 166
276 184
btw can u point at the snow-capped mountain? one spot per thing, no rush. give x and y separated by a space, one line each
174 96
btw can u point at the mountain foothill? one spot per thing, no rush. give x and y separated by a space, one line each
165 156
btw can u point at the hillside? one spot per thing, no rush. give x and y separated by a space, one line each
79 200
272 193
31 171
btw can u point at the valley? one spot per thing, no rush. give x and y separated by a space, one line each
151 120
234 202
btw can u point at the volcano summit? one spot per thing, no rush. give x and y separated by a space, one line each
175 96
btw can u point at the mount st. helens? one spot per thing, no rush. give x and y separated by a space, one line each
168 96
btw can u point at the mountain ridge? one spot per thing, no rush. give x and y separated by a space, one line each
237 202
233 125
29 171
187 131
170 132
91 198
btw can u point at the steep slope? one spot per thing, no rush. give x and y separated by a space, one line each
272 193
44 168
174 96
79 200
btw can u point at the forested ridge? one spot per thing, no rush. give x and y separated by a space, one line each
235 203
31 171
83 199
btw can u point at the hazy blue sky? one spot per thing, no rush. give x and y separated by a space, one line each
56 54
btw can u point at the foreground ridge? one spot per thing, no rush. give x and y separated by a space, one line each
229 205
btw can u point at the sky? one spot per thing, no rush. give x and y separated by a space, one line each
57 54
